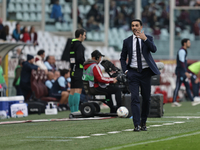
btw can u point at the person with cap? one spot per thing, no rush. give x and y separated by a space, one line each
25 79
77 59
93 74
16 80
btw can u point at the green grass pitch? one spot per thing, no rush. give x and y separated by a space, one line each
175 132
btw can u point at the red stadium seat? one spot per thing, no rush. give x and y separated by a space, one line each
38 87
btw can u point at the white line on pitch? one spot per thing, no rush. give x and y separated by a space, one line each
48 140
148 142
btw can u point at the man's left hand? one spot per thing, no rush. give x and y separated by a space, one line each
141 35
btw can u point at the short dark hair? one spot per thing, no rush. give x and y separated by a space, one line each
40 52
47 58
63 72
138 20
17 24
79 32
184 41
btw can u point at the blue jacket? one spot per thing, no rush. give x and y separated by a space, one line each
147 47
16 35
56 11
59 85
26 72
181 67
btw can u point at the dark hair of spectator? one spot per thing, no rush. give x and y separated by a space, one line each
6 29
47 58
23 30
184 41
40 52
63 72
31 29
138 20
79 32
20 61
17 24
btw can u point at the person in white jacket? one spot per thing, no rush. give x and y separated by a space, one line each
39 60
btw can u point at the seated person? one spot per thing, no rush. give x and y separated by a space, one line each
39 60
50 81
59 88
56 75
93 74
49 63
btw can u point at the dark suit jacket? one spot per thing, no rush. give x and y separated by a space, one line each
147 47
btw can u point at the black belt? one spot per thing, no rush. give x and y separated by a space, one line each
136 69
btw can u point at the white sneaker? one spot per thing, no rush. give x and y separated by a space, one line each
196 99
176 104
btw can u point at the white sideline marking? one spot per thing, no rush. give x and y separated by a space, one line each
155 125
47 137
81 137
148 142
48 140
113 132
128 130
179 122
98 134
168 124
195 117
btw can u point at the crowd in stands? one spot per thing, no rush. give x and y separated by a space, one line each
57 83
18 34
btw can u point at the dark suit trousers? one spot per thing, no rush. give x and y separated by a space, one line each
142 80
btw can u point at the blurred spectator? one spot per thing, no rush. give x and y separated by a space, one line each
49 63
25 79
17 32
56 12
156 32
60 86
121 22
1 25
113 13
2 80
197 29
25 35
39 60
50 80
5 33
145 14
18 54
95 13
92 24
16 82
56 75
33 36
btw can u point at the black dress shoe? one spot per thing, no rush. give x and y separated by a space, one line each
137 128
143 127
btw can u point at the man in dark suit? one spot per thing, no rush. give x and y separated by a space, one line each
139 70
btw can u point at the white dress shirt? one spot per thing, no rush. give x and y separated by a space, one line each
134 55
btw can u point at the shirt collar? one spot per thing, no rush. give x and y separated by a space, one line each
134 36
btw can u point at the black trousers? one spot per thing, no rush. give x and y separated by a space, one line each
112 90
143 80
179 81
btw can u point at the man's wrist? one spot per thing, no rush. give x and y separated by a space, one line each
145 39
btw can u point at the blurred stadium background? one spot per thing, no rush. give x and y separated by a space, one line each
107 23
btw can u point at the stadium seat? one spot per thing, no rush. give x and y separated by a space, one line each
18 7
47 8
38 8
26 17
11 7
47 1
33 17
38 87
89 36
67 8
39 16
65 27
87 8
58 26
32 8
25 7
96 36
26 1
19 16
62 2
